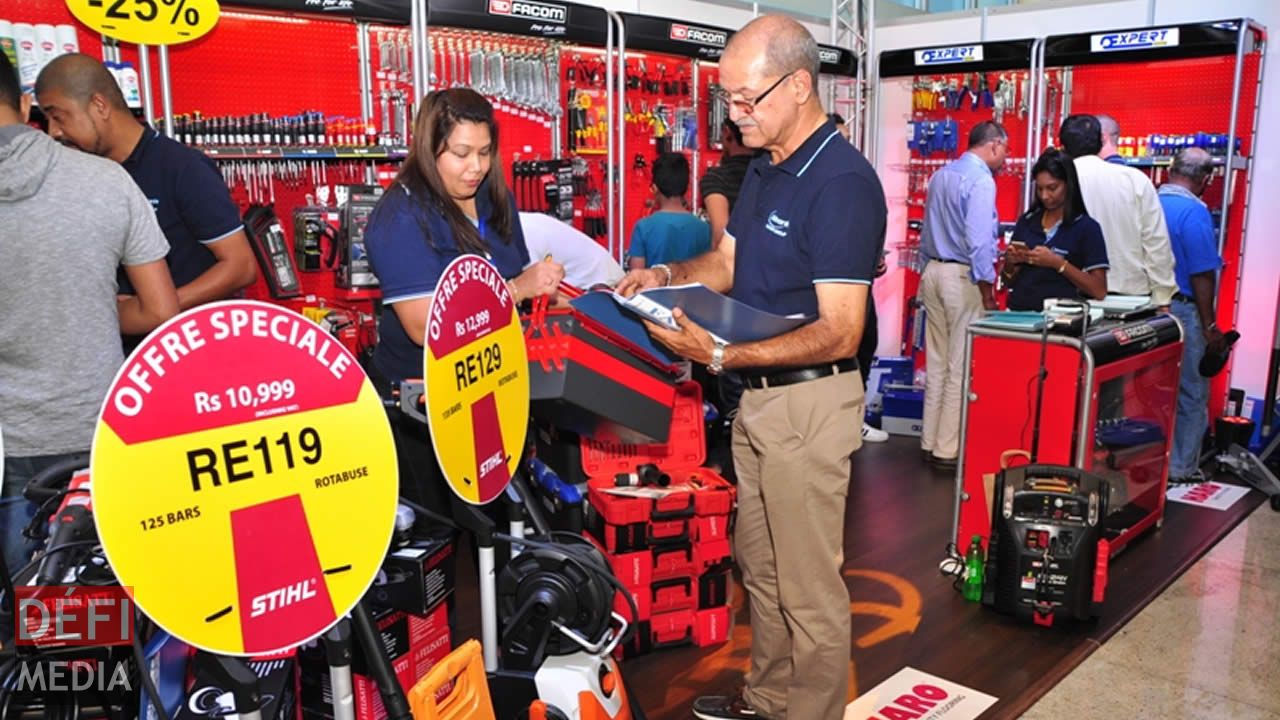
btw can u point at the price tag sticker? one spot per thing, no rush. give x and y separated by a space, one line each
148 22
244 478
477 379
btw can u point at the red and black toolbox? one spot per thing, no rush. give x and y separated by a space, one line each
669 546
694 510
586 377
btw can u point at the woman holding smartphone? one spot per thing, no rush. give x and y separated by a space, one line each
1057 250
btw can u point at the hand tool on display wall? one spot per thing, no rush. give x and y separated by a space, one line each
717 113
1025 94
310 128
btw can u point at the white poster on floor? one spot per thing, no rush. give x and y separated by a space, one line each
1208 494
914 695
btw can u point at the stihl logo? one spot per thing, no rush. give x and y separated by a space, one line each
283 597
532 10
698 35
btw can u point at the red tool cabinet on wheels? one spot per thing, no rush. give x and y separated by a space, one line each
1109 403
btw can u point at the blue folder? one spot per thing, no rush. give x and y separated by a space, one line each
722 316
601 308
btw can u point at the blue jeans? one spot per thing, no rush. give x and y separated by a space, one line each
1193 395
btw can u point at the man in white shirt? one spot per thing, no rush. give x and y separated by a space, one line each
1125 204
586 264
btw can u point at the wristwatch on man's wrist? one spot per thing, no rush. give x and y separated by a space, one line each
716 366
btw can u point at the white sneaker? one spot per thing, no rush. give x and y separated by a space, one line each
873 434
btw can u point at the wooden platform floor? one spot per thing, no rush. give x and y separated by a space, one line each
906 613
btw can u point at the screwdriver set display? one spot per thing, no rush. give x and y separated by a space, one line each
310 128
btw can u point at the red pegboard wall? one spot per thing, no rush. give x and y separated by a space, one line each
265 63
1168 97
641 141
1183 97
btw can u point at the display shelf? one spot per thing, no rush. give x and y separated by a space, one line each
318 152
1239 162
1122 458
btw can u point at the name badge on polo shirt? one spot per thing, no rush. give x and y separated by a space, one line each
776 225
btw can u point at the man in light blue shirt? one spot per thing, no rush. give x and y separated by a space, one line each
1195 252
959 244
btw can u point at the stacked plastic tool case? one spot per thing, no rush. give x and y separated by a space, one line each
665 530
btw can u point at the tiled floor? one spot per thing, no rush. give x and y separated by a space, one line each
1208 647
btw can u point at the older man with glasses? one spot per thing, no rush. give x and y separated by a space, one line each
804 237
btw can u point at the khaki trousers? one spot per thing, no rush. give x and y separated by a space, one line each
951 301
791 448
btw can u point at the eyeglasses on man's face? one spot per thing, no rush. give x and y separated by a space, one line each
745 106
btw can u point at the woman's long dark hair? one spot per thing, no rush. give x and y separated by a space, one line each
1059 165
440 113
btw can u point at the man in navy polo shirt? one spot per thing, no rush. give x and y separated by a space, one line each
804 237
210 258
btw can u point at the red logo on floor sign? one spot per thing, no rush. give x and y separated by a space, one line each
922 699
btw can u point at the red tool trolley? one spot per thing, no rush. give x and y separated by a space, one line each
1109 400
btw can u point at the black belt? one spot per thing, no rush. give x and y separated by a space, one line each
950 262
799 375
1183 298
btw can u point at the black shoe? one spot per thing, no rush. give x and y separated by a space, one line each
724 707
944 463
1195 478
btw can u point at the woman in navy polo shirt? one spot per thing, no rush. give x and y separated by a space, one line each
1057 250
450 198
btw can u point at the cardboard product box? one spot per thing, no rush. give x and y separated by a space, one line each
415 643
902 411
884 371
418 577
902 426
278 683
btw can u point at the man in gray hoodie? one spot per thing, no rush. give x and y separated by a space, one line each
67 221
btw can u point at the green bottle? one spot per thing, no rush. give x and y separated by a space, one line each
973 562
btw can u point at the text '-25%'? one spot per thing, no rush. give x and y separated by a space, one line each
245 396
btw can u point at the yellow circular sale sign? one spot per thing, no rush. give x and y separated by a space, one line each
244 478
148 22
477 379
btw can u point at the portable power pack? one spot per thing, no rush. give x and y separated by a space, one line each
1048 552
353 259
